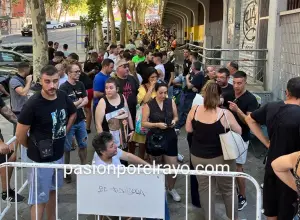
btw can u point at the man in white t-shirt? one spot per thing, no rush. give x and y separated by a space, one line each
107 152
157 59
114 56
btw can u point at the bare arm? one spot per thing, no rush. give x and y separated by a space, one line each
234 125
83 103
132 158
21 134
188 82
282 167
9 115
99 115
175 113
98 95
23 91
188 124
257 131
3 90
171 79
71 121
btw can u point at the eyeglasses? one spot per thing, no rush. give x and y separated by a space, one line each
77 71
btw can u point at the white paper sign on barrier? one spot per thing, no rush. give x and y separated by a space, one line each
129 195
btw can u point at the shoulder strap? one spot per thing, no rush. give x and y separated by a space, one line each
226 121
297 164
195 111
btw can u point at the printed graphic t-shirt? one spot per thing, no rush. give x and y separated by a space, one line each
47 120
75 92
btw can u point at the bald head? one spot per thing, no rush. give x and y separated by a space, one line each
61 68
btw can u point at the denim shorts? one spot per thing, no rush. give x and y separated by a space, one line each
79 131
46 182
243 158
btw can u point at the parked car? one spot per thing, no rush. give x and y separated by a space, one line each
54 24
67 24
9 58
23 48
27 30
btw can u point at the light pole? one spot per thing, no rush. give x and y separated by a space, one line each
108 29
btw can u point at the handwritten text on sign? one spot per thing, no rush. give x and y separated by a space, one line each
127 190
127 195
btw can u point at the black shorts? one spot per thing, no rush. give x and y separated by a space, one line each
278 199
172 140
3 156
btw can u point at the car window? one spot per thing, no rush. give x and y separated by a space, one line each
48 22
24 49
10 57
6 48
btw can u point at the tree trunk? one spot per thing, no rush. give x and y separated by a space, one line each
123 22
127 35
60 12
99 37
132 22
39 37
137 20
112 23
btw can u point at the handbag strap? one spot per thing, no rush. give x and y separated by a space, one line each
226 121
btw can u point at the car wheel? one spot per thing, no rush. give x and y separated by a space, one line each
54 27
23 34
59 26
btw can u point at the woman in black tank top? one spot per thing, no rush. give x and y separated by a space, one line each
160 116
207 122
112 115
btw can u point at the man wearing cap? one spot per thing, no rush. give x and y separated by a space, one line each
58 58
128 86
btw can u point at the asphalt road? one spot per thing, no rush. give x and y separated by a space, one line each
62 36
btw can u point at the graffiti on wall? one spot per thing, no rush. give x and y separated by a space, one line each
250 21
230 31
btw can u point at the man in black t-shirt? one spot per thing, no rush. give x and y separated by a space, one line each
194 84
282 119
76 91
186 63
243 104
91 66
142 66
227 89
51 50
169 73
48 116
128 86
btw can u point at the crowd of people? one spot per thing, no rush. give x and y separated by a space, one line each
137 102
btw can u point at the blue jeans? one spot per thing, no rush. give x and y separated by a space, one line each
185 105
79 131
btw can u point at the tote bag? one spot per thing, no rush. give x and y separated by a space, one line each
233 145
138 121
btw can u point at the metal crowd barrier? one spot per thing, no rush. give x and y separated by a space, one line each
90 182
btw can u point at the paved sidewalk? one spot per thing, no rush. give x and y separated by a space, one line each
67 195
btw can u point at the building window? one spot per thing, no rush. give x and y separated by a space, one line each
293 4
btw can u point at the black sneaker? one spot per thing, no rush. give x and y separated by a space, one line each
242 202
11 197
68 178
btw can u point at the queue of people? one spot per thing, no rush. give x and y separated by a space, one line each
136 102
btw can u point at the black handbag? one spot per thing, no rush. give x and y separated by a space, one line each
157 141
45 147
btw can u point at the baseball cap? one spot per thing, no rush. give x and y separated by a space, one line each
120 63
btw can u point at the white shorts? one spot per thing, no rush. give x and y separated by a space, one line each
243 158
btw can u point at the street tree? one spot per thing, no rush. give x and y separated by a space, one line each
39 36
124 26
95 16
132 6
110 10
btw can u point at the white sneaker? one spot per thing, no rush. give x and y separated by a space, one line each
175 195
180 157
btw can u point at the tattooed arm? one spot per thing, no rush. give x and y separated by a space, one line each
9 115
